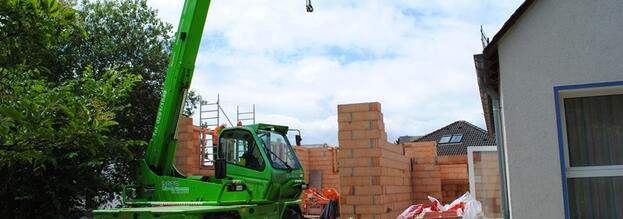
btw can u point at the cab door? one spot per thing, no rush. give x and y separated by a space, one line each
244 161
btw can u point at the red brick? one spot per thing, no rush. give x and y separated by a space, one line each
344 117
355 107
346 209
360 143
370 209
367 134
358 162
359 180
364 116
358 125
367 190
375 106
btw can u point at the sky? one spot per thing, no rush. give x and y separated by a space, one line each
414 57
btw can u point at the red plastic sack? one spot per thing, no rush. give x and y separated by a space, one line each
411 212
435 206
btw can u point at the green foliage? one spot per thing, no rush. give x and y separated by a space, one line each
127 34
190 103
29 29
56 153
74 114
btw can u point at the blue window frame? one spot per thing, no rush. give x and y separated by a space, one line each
575 106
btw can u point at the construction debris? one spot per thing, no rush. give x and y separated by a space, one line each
465 207
316 202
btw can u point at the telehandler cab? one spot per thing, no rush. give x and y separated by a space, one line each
257 173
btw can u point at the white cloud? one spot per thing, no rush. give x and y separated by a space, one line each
414 57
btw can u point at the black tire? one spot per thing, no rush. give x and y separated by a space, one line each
292 212
231 215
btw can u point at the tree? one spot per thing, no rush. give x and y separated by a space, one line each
57 149
127 34
190 103
29 29
60 154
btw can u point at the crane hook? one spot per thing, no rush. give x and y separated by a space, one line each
310 8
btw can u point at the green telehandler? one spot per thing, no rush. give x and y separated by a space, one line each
257 173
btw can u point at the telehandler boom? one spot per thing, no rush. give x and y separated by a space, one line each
257 173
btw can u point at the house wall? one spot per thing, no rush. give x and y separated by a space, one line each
555 42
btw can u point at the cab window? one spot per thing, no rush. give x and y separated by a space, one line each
239 148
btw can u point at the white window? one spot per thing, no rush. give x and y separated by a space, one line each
591 128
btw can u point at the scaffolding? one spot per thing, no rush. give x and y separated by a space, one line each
245 116
209 119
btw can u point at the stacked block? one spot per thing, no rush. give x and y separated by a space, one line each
453 189
454 181
443 177
375 180
188 152
323 159
303 155
426 175
452 159
454 172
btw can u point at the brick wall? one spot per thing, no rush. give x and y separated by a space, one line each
303 155
452 159
187 153
322 159
443 177
375 179
426 178
454 181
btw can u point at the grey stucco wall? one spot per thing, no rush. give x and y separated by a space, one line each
555 42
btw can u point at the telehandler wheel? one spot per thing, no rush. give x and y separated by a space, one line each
293 212
231 215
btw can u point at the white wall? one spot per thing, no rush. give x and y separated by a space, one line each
555 42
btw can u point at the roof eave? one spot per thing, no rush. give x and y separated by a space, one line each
507 25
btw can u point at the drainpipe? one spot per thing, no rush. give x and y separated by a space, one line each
497 120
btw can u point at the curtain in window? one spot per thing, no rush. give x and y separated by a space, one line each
595 138
595 130
596 197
